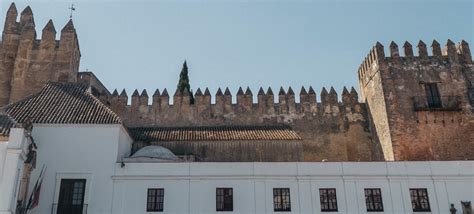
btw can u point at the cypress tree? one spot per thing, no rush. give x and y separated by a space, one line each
183 83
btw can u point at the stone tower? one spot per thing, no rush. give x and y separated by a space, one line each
27 63
420 107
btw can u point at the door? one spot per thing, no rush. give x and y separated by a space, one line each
71 196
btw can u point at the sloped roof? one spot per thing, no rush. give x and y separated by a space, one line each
6 123
214 133
62 103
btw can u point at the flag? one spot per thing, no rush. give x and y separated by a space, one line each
35 194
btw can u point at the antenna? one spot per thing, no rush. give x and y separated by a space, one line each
72 8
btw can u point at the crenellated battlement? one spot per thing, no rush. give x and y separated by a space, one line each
244 105
29 62
25 29
285 97
451 54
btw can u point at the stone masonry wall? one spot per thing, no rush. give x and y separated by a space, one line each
331 130
27 63
416 130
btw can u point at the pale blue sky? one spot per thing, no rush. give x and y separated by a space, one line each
142 44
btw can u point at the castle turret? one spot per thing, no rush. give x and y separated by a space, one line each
354 96
451 51
10 21
164 100
346 97
135 100
49 33
290 100
408 49
270 101
261 100
465 52
143 101
423 91
394 50
227 101
123 98
219 101
156 99
202 101
68 54
422 51
436 48
177 99
282 101
26 64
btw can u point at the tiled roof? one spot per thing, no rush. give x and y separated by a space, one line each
62 103
6 122
224 133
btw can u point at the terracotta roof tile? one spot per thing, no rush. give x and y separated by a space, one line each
214 133
63 103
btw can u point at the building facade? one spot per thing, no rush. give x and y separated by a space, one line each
404 146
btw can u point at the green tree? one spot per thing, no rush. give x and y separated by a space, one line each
183 83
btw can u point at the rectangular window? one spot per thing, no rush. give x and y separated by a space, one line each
71 196
373 200
155 200
432 95
224 199
328 200
281 199
419 200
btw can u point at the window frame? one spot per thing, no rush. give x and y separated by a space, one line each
71 197
416 199
433 97
373 197
223 199
155 199
325 193
279 200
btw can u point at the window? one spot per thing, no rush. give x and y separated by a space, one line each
328 200
373 200
71 196
224 199
432 95
154 201
281 199
419 200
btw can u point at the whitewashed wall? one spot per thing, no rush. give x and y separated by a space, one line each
78 151
190 187
12 156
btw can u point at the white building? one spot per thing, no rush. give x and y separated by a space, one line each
86 151
15 156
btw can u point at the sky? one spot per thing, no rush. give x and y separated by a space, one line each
229 43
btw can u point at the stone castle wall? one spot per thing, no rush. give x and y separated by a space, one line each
27 63
330 129
394 89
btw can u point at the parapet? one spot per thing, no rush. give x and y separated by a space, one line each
452 53
26 30
286 104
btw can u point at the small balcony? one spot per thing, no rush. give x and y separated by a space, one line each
69 209
443 103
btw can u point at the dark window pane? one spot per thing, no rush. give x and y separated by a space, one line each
224 199
419 200
373 200
328 200
155 200
281 199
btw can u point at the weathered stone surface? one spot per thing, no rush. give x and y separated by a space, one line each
394 89
27 64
